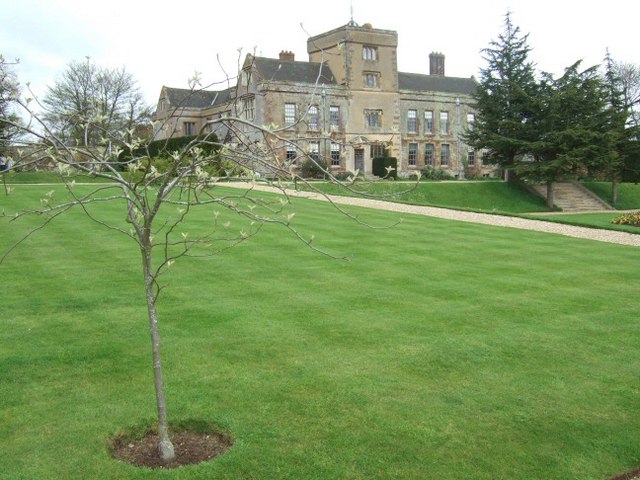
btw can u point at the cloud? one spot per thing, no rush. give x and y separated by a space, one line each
164 44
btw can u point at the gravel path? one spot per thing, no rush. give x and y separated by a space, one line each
622 238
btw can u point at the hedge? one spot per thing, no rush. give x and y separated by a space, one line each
163 148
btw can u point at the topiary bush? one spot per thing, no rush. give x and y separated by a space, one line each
381 167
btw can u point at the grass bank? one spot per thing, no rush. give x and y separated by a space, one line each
481 196
628 194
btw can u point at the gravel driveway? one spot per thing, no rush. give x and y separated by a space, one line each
622 238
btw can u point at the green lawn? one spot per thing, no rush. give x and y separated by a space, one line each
440 350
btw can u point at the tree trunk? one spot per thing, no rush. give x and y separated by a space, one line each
614 192
165 446
550 199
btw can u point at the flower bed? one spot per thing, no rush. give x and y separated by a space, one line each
632 218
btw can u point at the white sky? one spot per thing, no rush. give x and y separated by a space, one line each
164 43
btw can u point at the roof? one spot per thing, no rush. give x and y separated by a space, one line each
186 98
435 83
273 69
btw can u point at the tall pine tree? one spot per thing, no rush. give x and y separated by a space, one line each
504 98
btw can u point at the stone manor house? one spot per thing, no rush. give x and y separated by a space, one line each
348 104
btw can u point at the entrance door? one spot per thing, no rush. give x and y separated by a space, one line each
359 160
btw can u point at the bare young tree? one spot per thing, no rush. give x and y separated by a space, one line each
158 202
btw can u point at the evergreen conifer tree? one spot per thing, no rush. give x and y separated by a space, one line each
504 97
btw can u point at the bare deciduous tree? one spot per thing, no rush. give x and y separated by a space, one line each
628 75
89 104
9 91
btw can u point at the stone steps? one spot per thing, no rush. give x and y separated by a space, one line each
572 197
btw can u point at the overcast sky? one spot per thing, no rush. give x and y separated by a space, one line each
164 43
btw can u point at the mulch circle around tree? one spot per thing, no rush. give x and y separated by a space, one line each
190 447
630 475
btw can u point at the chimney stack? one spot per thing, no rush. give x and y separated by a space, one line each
436 64
287 56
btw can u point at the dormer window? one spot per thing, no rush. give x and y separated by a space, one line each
369 53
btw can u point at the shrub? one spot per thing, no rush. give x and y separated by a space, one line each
164 148
628 219
473 172
313 169
381 165
430 173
